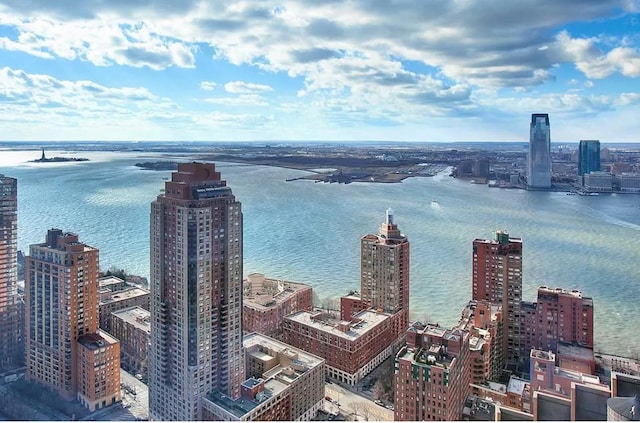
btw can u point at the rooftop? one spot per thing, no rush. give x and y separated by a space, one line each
543 355
107 281
575 351
242 406
124 295
363 322
136 316
265 293
430 356
517 385
276 379
100 339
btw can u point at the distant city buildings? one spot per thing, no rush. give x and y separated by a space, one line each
268 301
65 350
588 156
539 157
196 289
497 278
11 305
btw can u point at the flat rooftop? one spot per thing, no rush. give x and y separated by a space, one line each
124 295
367 321
256 339
575 351
516 385
93 341
242 406
262 293
107 281
276 379
135 316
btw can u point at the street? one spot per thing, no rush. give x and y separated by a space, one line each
350 402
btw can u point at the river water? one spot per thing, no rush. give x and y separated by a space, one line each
310 232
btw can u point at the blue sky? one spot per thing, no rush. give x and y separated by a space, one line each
394 70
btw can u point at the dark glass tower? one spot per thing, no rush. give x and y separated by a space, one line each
588 157
539 158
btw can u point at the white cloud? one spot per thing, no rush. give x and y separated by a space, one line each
208 85
239 87
245 100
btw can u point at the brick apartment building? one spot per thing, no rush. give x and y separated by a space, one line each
432 377
61 286
484 323
497 278
116 294
267 301
98 370
563 316
132 327
283 384
351 348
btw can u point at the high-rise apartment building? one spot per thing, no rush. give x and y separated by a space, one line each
196 293
563 316
61 287
539 157
11 349
497 278
588 156
384 270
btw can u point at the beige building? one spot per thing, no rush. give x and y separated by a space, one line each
284 383
384 270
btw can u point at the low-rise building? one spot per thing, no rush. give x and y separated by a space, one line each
431 375
132 327
284 383
111 301
267 301
545 376
598 181
351 348
98 370
628 182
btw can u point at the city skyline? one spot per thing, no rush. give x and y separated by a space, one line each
304 71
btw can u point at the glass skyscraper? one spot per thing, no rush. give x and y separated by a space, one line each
539 157
588 157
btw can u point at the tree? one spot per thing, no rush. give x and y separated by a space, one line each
356 409
378 390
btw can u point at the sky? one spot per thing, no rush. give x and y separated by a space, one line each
332 70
